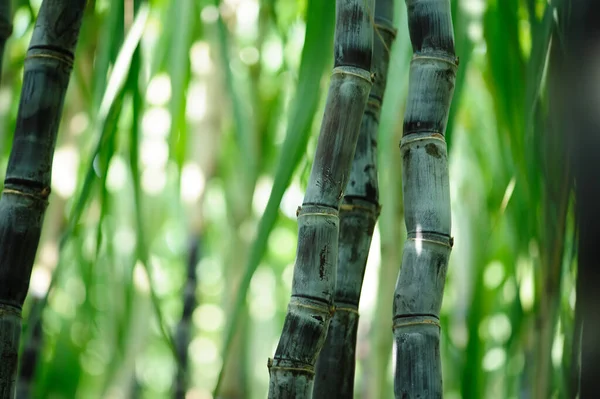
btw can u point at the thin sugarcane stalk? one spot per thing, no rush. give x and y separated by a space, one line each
182 338
358 214
310 309
27 184
5 26
420 286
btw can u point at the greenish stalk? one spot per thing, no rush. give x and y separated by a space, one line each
358 214
420 286
5 26
48 68
311 306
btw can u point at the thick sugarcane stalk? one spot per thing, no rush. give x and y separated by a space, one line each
358 214
48 67
420 286
311 306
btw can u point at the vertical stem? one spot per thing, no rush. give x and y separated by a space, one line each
420 285
30 357
5 26
358 214
182 338
305 327
27 185
578 100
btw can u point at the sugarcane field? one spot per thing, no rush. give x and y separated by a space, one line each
296 199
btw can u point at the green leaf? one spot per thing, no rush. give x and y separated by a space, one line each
319 30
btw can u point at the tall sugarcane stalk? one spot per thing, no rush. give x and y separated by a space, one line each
358 214
420 286
48 66
311 306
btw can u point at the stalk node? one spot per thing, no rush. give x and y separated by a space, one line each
354 71
417 320
10 310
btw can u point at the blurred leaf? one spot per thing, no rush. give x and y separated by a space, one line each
319 30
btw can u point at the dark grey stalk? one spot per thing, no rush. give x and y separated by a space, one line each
48 66
184 328
5 26
574 78
30 357
358 214
420 286
311 306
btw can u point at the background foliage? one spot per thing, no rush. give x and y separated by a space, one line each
186 141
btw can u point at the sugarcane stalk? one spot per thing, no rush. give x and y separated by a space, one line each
30 357
357 217
425 185
5 26
183 336
48 66
311 305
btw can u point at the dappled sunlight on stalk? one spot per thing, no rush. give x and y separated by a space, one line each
418 240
